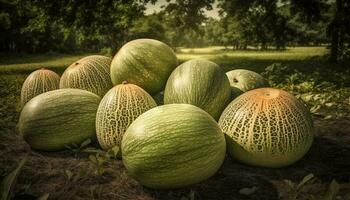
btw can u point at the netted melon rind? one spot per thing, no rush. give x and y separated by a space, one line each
91 73
117 110
38 82
267 127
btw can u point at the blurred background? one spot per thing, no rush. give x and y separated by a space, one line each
70 26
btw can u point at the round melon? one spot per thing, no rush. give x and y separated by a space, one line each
38 82
90 73
201 83
267 127
59 118
242 80
117 110
144 62
173 146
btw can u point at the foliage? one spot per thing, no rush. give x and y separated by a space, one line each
300 190
327 93
101 158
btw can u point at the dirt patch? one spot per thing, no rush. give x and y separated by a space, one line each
45 172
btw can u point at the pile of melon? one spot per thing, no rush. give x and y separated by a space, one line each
206 113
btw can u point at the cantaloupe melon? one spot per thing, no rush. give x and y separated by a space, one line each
144 62
117 110
267 127
38 82
173 146
90 73
242 80
56 119
201 83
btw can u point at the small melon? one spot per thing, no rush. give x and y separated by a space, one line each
90 73
242 80
117 110
38 82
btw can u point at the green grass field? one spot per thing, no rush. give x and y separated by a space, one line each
255 60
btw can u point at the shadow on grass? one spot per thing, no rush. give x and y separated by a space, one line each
23 58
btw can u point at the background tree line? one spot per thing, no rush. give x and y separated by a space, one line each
37 26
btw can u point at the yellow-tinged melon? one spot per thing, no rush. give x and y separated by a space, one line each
267 127
90 73
38 82
117 110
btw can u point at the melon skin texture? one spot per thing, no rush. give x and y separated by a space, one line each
173 146
242 80
117 110
201 83
267 127
59 118
38 82
144 62
91 73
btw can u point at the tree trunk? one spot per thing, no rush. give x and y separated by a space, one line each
337 32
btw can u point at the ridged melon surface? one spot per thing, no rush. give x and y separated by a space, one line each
267 127
173 146
38 82
91 73
117 110
201 83
55 119
144 62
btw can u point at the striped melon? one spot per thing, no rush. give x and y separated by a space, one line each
38 82
267 127
201 83
144 62
90 73
242 80
55 119
117 110
173 146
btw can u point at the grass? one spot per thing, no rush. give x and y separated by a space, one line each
26 62
256 60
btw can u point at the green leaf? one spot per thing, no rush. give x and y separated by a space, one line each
68 174
85 143
113 152
9 181
306 179
44 196
93 159
333 189
248 191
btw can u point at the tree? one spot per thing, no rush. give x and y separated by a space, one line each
184 16
106 22
338 22
259 21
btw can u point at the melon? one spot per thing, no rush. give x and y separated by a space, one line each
144 62
242 80
117 110
173 146
38 82
201 83
59 118
267 127
90 73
